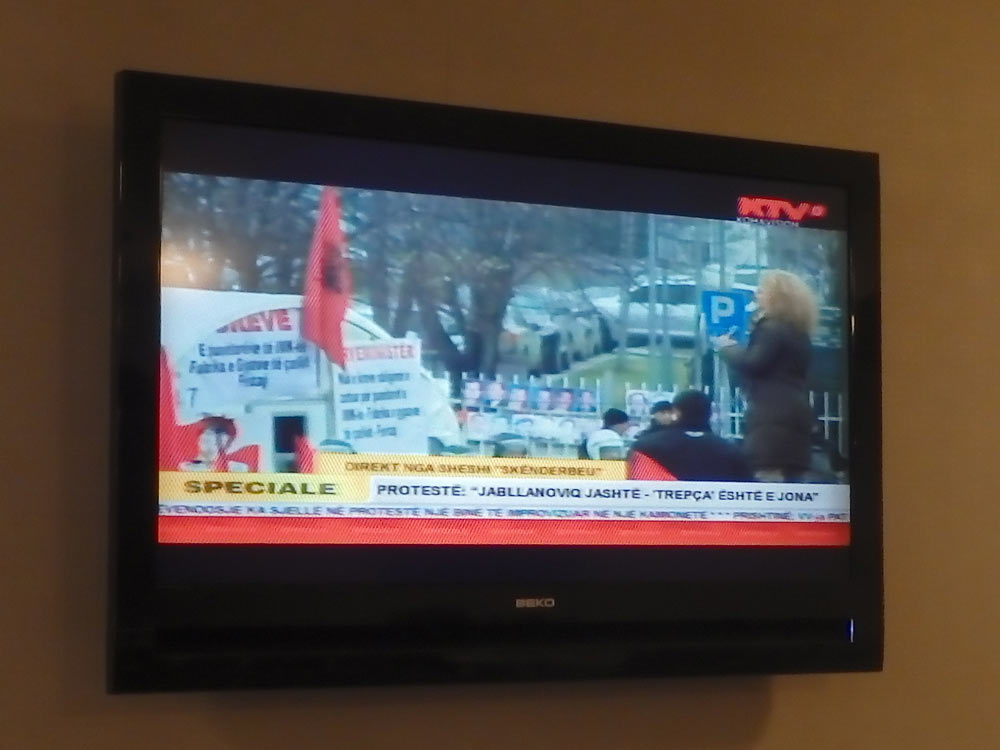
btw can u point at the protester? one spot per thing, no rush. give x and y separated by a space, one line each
772 368
510 445
607 442
828 465
688 449
661 415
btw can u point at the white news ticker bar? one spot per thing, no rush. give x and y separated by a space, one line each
671 496
292 509
545 499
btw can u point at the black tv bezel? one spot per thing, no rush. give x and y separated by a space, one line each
233 634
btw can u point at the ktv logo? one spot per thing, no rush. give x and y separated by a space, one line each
777 211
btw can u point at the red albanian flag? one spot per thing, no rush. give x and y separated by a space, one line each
328 286
305 455
178 443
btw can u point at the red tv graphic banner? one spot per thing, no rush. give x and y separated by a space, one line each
373 499
201 530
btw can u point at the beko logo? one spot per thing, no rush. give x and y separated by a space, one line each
535 603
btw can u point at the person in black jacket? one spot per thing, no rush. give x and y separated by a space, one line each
688 449
772 369
661 416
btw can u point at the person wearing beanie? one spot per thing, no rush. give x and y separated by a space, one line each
688 449
510 445
661 415
607 442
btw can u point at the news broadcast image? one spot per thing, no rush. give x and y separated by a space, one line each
342 365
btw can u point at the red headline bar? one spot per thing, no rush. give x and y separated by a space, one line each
269 530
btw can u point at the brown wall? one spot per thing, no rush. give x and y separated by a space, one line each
918 82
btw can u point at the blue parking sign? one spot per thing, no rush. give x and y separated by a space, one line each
726 312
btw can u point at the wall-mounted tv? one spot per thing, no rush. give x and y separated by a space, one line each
408 392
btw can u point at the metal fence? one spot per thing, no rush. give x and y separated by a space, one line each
829 408
553 414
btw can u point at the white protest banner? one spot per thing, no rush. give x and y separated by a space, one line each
381 398
257 357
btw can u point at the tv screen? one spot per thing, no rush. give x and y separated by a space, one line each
414 392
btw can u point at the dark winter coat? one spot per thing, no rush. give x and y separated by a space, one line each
653 427
694 454
772 371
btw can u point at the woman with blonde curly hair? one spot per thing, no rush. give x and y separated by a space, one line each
772 369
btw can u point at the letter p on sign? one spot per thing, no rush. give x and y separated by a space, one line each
725 312
722 308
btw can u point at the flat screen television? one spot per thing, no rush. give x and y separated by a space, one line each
407 392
